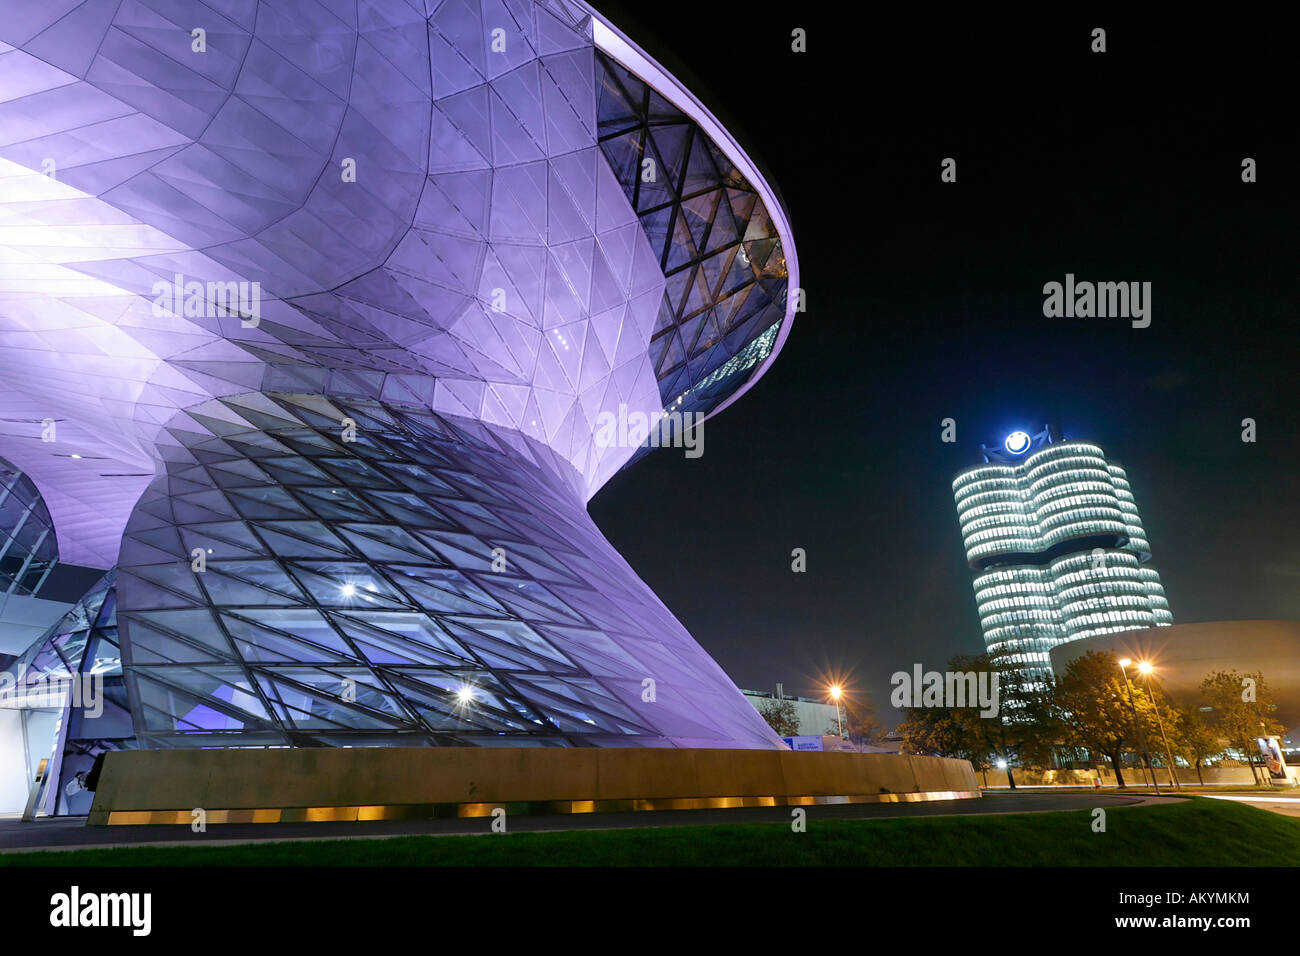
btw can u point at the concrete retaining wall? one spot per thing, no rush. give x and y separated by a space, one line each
1133 776
261 779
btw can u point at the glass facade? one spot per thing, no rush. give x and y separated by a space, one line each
720 252
28 547
1059 550
427 583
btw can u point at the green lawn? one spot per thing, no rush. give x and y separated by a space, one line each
1195 833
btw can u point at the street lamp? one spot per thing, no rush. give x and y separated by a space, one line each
1146 668
1142 738
836 692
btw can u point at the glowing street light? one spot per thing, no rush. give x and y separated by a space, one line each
1146 668
836 692
1142 738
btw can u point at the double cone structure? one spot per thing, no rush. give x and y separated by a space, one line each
312 314
1058 548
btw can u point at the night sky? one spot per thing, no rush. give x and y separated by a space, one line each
925 302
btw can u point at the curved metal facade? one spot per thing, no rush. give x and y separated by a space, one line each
1060 550
327 304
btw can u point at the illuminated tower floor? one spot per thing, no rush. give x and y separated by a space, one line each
1058 546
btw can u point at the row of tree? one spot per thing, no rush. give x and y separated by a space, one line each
1094 711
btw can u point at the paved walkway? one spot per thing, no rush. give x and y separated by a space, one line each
1287 803
64 833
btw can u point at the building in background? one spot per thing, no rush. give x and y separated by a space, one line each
816 717
1054 538
308 346
1183 655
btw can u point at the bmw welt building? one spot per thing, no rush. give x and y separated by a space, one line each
322 323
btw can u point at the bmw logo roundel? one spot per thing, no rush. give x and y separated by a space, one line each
1017 443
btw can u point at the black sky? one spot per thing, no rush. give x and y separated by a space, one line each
925 302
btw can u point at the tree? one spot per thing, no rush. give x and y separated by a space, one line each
1028 718
1196 741
781 716
1166 716
1242 710
1096 710
940 732
861 726
1021 730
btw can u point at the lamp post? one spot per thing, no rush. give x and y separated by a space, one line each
1146 668
836 692
1142 738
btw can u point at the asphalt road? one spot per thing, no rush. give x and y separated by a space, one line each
72 833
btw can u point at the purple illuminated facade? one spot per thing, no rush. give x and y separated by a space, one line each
311 312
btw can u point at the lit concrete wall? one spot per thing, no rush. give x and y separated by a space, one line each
1133 777
164 780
